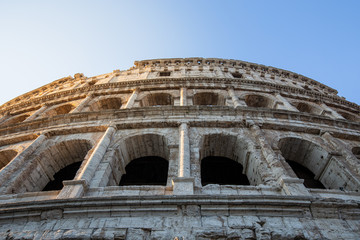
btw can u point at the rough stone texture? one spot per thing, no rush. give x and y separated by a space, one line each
182 110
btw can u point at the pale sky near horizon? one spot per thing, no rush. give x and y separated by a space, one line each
41 41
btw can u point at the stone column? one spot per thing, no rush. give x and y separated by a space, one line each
183 184
77 187
287 105
237 103
83 104
183 96
184 153
18 162
132 99
290 185
333 112
37 113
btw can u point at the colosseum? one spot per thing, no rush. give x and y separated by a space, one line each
181 149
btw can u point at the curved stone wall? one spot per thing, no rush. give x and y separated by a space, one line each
292 138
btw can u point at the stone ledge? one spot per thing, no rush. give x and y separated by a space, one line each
175 113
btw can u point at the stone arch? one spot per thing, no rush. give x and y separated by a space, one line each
259 101
106 104
349 116
356 152
157 99
208 98
307 107
138 154
226 153
59 110
6 156
325 168
16 119
50 161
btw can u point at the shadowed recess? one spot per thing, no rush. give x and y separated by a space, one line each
150 170
304 173
6 156
223 171
67 173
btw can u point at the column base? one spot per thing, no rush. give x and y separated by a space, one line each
183 186
72 189
293 186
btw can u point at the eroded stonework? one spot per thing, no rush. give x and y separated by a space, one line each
294 140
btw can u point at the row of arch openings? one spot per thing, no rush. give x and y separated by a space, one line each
224 160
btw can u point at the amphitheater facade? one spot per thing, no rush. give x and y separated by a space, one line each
181 149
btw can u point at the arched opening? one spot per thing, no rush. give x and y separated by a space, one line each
307 160
208 98
149 170
141 160
356 152
60 110
106 104
16 119
307 108
6 156
222 158
303 107
257 101
305 174
349 116
47 166
67 173
222 171
157 99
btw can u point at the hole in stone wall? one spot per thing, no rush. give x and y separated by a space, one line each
6 156
151 170
67 173
304 173
257 101
165 74
237 75
223 171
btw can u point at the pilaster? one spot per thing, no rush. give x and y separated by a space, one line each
77 187
132 99
183 184
17 163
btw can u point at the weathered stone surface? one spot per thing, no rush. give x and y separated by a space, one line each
181 110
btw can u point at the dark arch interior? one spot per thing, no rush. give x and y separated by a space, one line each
15 120
106 104
151 170
256 101
223 171
349 116
67 173
6 156
304 173
303 107
356 152
206 99
157 99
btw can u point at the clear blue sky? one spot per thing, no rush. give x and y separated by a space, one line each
41 41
